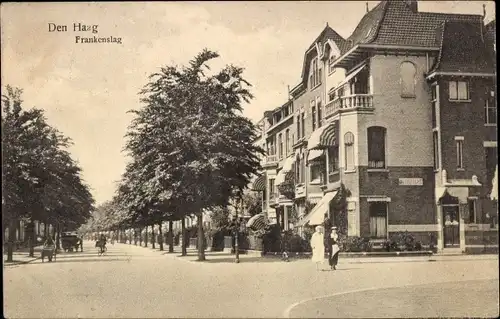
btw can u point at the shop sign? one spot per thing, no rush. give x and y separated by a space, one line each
411 182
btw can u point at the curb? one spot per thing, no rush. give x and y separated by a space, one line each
16 263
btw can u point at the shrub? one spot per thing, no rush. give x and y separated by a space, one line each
354 244
402 241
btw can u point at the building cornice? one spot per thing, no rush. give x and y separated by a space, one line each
473 74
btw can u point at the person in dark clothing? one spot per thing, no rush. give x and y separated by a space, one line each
334 248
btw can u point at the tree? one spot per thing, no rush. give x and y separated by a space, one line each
253 203
189 140
40 180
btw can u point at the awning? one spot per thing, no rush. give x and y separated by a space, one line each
323 137
259 184
494 189
257 222
314 154
317 214
462 193
348 78
287 167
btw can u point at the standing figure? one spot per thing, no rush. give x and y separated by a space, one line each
334 248
318 246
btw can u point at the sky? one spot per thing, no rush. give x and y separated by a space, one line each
87 89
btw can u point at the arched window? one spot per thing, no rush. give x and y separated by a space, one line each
408 79
349 151
376 147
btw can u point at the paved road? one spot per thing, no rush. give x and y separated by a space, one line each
131 281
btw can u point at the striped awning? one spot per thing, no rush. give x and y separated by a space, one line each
257 222
317 214
314 155
287 167
259 184
323 137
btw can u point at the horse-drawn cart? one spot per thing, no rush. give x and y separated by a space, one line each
49 251
71 243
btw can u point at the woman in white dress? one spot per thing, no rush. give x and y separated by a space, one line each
318 246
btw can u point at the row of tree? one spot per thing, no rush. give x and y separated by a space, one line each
191 149
40 180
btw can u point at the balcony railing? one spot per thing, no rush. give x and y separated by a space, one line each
363 101
271 158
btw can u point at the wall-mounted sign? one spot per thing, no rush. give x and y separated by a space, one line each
411 182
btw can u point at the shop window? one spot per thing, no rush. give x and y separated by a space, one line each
378 219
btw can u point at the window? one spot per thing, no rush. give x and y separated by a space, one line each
436 149
313 115
297 170
303 124
315 74
272 189
287 142
315 173
491 157
331 96
298 127
376 147
303 169
490 109
333 159
460 151
471 205
434 104
378 219
407 79
318 104
332 59
459 91
349 151
280 146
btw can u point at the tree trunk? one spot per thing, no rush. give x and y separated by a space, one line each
160 231
46 229
183 237
153 241
10 243
58 236
32 238
201 238
146 237
140 237
170 236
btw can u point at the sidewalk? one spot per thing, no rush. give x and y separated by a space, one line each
21 256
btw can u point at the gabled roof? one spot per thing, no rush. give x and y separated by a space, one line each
462 49
325 35
395 23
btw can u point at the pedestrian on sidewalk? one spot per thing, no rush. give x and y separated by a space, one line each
318 246
334 248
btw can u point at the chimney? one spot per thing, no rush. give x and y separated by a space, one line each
412 4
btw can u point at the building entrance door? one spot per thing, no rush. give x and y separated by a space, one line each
451 227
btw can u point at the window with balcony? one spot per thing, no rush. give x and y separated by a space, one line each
349 151
318 105
459 140
313 115
331 96
458 90
272 189
378 219
435 140
376 147
407 79
280 146
298 127
490 109
287 142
